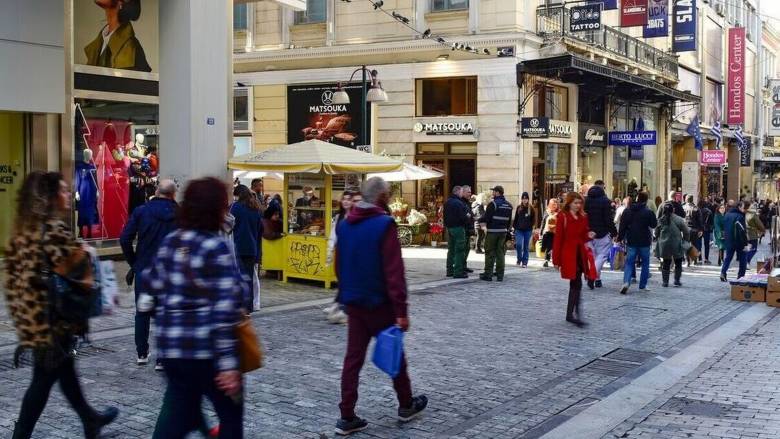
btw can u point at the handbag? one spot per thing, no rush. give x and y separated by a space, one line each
250 353
389 350
68 301
618 257
590 271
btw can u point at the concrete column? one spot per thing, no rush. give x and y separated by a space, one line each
196 97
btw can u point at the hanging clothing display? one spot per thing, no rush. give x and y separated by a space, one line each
86 186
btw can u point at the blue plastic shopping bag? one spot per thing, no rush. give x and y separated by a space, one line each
388 350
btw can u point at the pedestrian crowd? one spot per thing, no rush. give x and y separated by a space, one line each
194 265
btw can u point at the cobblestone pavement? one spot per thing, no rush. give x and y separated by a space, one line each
497 360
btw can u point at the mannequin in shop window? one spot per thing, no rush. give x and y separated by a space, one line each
138 173
87 194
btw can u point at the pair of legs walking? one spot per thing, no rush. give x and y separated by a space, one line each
37 395
601 248
741 259
666 265
628 271
522 244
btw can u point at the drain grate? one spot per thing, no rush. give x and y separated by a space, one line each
617 363
694 407
87 351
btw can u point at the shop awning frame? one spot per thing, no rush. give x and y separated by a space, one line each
573 68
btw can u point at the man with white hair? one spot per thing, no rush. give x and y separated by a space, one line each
372 286
149 223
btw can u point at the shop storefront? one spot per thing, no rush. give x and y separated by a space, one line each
553 143
116 130
592 145
634 140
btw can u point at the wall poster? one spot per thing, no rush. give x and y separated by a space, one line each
311 114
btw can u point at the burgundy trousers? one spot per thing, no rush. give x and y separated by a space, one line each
362 325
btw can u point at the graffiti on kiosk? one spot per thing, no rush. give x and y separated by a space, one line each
305 258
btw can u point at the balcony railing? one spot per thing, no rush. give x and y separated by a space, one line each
552 24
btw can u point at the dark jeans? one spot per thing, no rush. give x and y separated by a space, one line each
480 245
364 324
696 241
707 237
143 322
730 250
38 393
188 382
247 267
666 265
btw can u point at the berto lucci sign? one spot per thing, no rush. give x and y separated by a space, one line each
632 138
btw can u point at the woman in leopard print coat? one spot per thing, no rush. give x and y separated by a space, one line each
42 239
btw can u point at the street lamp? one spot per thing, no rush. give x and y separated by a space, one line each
373 94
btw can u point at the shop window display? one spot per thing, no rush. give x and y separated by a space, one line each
117 164
305 195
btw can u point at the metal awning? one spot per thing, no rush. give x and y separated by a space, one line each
574 69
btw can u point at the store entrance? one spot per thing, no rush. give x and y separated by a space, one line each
458 163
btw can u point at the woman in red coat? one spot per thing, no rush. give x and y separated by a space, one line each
569 253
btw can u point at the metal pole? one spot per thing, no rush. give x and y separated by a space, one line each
363 110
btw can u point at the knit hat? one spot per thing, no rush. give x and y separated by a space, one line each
524 196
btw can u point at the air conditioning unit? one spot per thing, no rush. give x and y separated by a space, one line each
720 10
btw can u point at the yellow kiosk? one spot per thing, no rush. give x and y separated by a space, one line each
316 173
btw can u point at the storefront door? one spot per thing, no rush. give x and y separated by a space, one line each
12 169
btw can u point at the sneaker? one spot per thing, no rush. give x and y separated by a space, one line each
337 317
331 309
345 427
723 278
519 264
418 405
142 360
677 283
158 366
598 284
525 266
624 290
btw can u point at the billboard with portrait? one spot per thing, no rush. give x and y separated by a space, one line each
118 34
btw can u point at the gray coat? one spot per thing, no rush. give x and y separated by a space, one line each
670 232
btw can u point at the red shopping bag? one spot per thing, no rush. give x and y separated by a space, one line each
590 265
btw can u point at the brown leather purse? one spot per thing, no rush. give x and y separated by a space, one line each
250 352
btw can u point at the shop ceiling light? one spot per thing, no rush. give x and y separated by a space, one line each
340 97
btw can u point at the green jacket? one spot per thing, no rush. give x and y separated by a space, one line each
124 51
755 228
718 229
670 232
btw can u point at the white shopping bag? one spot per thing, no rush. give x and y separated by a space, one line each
108 286
255 289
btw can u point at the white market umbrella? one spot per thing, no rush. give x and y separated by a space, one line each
251 175
409 173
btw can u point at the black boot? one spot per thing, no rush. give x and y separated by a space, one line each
665 278
97 421
21 432
572 305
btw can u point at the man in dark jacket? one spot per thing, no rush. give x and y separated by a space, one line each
455 219
497 222
523 225
149 223
677 206
708 224
601 220
465 196
735 236
372 286
636 226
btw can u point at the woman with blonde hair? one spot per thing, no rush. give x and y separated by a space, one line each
43 247
569 252
548 229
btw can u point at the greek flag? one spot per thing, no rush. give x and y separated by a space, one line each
717 133
740 138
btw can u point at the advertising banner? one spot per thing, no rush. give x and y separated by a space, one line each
311 114
116 34
585 18
657 19
534 127
714 157
633 13
774 116
735 84
632 138
745 153
684 26
608 4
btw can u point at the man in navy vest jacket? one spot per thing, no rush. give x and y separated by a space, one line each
372 286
